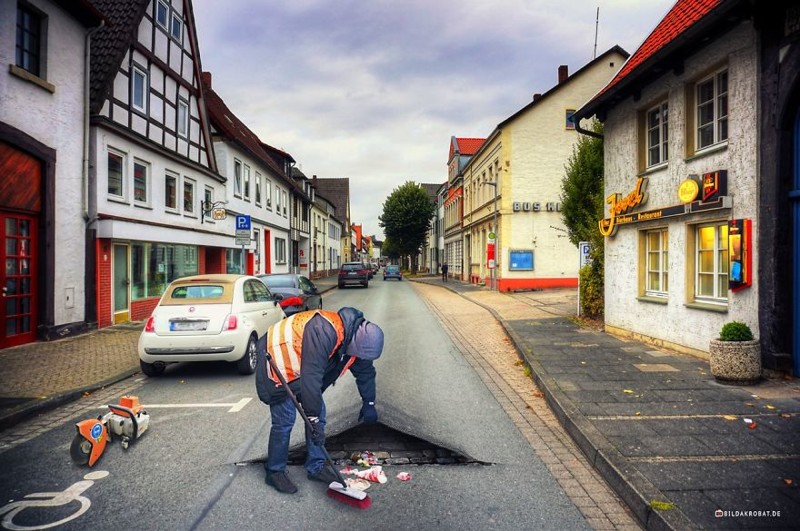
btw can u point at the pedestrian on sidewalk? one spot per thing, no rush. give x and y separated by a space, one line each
444 272
320 345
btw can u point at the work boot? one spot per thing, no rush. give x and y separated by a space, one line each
281 482
325 475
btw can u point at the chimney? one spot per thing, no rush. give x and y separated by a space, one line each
563 73
206 77
537 96
314 181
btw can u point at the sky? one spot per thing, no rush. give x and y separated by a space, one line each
373 90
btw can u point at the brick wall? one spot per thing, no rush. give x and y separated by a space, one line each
104 284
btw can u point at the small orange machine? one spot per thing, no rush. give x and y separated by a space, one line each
127 420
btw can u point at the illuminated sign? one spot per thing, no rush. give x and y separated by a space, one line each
688 190
619 207
715 185
550 206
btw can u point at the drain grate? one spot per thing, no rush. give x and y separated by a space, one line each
386 445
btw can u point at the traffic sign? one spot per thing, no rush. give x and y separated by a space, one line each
242 222
585 259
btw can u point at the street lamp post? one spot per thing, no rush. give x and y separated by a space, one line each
496 239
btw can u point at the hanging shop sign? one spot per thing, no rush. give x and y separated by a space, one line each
688 190
535 206
740 259
620 213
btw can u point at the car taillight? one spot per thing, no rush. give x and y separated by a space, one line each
150 325
291 301
231 323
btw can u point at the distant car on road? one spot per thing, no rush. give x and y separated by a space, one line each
208 318
392 271
354 273
295 293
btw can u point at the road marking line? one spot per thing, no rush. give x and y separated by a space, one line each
234 407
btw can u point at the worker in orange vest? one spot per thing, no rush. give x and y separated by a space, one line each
321 346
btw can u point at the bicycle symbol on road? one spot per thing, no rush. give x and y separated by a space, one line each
73 493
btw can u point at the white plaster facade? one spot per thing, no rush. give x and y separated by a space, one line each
50 109
677 320
526 155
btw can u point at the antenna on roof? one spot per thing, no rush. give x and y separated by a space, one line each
596 26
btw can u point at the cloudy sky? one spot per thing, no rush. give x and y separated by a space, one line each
373 90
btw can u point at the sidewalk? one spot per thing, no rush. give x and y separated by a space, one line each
670 440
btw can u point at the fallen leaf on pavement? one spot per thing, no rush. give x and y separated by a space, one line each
628 391
728 417
786 415
661 506
770 407
789 482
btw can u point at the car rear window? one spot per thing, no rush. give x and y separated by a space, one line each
393 269
352 267
199 294
278 282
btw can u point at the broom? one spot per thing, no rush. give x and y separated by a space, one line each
338 490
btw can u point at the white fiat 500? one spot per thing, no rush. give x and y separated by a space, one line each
208 318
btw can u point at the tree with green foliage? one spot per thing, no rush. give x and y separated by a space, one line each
582 207
406 218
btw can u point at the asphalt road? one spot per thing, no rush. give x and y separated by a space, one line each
199 466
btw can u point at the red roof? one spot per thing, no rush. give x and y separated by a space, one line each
682 16
466 146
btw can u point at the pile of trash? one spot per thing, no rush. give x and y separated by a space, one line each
367 471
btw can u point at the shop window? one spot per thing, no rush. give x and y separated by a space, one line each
233 261
710 265
654 262
155 265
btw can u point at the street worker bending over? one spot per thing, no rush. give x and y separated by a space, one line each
321 345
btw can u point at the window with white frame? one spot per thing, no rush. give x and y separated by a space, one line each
141 182
246 182
183 118
31 39
188 196
280 251
711 263
656 262
139 88
285 204
237 178
657 134
116 175
711 100
162 13
277 200
208 202
268 194
258 189
171 191
176 28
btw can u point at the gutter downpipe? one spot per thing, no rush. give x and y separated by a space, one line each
86 112
586 132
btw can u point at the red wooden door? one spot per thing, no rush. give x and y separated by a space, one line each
17 279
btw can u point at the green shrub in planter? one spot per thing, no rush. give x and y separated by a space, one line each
735 331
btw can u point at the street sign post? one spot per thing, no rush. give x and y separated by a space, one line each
583 260
242 236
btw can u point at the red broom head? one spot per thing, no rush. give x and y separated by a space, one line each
358 504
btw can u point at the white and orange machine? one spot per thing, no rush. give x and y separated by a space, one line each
127 420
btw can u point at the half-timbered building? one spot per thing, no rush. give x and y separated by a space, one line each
153 163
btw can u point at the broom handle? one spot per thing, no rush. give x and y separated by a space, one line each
302 412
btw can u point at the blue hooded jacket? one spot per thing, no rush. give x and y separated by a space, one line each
322 363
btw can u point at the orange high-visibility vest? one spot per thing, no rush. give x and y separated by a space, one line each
285 342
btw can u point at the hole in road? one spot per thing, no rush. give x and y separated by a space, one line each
385 446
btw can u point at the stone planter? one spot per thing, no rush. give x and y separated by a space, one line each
735 362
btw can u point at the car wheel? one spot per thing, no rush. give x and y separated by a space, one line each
152 369
247 365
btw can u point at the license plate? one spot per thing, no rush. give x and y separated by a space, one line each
352 274
187 326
